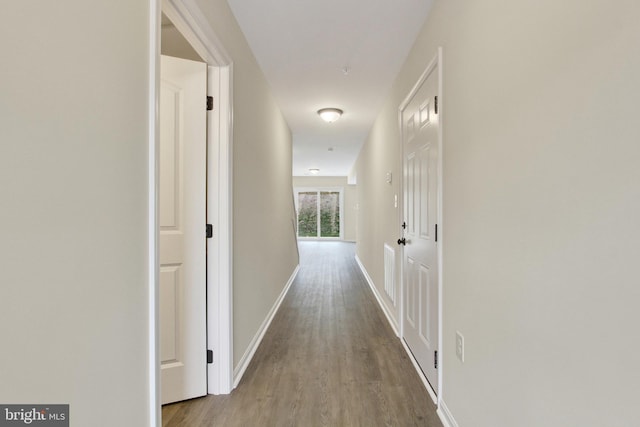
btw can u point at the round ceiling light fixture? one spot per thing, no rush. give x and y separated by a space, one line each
314 171
330 115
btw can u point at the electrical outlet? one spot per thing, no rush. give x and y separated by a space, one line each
460 346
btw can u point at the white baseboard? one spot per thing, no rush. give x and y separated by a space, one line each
390 317
445 415
238 372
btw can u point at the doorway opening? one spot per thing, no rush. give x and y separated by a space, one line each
320 213
197 41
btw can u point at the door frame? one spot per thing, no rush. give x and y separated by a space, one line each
193 25
434 64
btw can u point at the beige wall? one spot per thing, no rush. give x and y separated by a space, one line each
264 241
350 199
541 207
173 43
74 167
74 216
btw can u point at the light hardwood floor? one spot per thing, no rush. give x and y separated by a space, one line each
329 359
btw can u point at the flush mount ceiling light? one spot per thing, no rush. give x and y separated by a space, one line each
314 171
330 114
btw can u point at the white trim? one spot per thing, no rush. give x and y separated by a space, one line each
219 248
416 87
194 26
387 312
445 415
436 62
441 228
257 339
155 411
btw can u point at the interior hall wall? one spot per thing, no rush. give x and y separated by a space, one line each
74 221
541 205
264 242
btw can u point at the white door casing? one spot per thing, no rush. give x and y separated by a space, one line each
182 215
194 26
420 123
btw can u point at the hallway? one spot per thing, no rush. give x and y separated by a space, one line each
329 358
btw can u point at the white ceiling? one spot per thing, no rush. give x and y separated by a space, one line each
303 47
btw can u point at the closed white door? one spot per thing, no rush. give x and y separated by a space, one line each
420 255
182 201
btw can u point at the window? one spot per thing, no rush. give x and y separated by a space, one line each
319 213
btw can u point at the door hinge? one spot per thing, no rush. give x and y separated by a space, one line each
209 356
209 103
435 359
435 104
209 231
436 232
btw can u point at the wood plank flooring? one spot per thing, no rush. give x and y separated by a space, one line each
329 358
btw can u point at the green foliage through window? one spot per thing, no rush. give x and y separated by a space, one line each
322 205
308 214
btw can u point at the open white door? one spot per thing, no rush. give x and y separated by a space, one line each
420 130
182 200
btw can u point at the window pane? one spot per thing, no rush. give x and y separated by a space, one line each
308 214
330 214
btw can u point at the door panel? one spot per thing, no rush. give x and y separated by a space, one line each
420 255
182 216
170 284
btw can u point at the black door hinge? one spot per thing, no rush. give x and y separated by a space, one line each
209 231
404 225
436 232
435 359
209 356
435 104
209 103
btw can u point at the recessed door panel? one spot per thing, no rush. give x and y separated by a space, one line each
170 308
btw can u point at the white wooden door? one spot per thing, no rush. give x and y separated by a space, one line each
420 255
182 201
